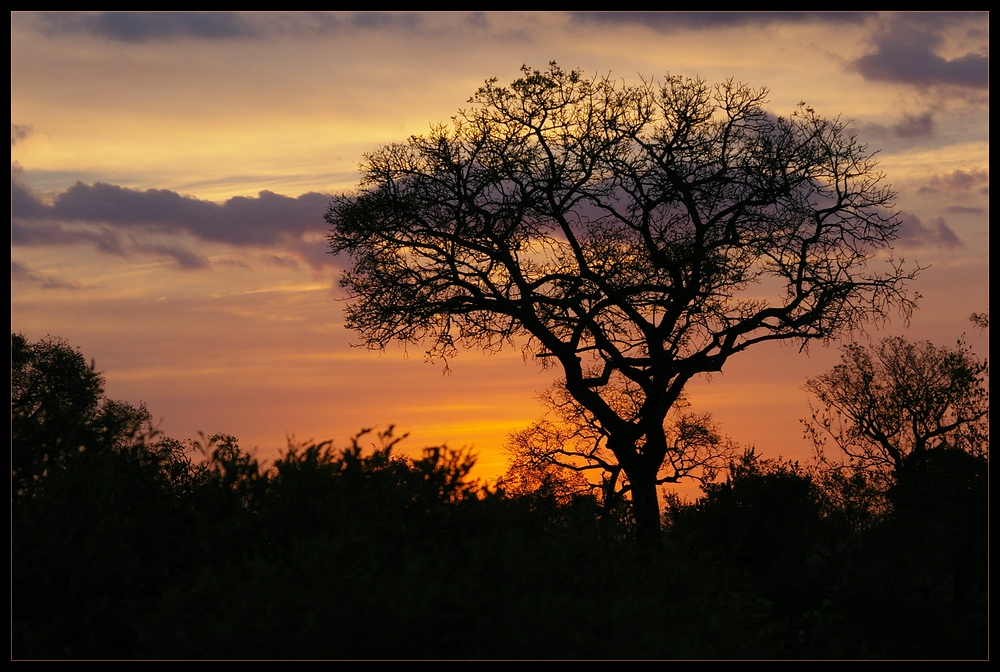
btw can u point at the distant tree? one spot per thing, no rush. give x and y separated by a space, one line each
58 410
637 235
883 404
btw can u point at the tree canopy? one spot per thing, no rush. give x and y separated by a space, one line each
637 235
58 410
885 403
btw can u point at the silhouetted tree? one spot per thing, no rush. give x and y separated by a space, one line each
884 403
556 452
59 411
636 234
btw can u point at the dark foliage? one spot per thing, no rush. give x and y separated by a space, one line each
132 549
766 514
59 412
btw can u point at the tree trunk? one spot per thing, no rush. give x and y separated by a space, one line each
646 509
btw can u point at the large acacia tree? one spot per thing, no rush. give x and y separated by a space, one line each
637 235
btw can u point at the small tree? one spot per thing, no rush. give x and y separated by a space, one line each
555 452
885 403
637 235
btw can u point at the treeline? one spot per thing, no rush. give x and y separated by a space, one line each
128 544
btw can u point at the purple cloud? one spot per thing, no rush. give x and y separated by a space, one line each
936 233
915 126
140 27
240 220
114 217
145 26
906 52
959 181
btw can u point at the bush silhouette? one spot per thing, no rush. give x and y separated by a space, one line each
133 549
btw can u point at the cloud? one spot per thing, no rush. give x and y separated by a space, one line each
105 239
139 27
21 273
905 51
37 234
937 233
185 258
316 253
20 132
908 127
965 210
668 22
476 20
240 220
915 126
959 181
22 200
146 26
284 262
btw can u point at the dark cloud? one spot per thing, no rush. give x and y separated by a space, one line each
937 233
121 221
239 221
959 181
915 126
20 132
137 27
904 48
667 22
906 52
22 200
145 26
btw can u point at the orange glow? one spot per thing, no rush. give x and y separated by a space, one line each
252 343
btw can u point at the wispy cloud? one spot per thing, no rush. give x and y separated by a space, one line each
20 132
22 273
965 210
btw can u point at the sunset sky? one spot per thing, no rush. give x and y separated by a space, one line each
170 173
